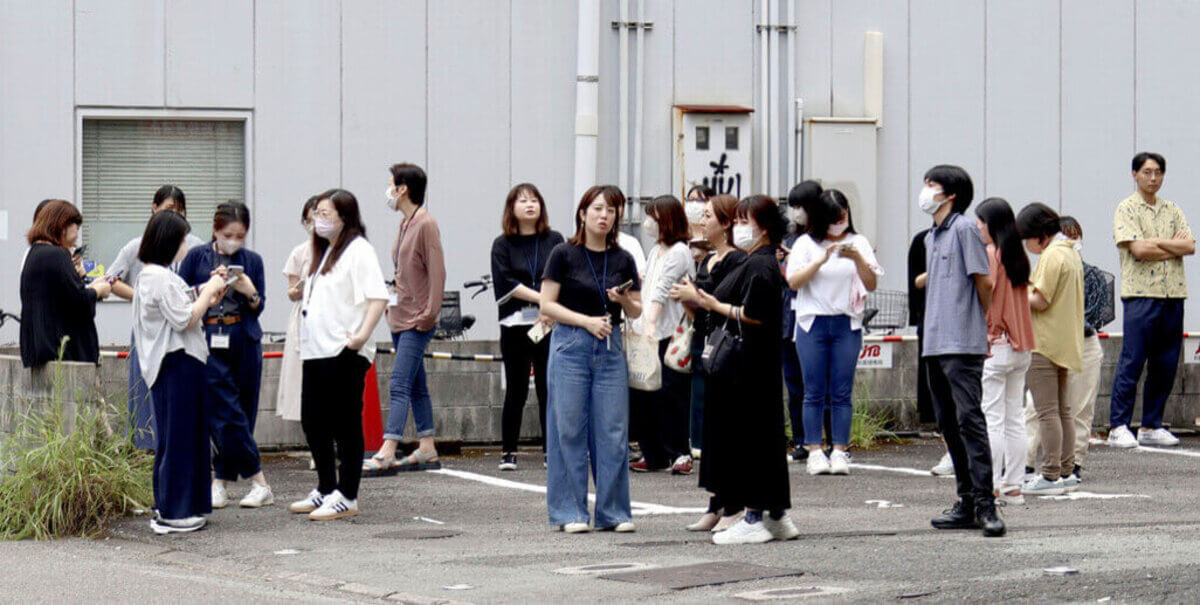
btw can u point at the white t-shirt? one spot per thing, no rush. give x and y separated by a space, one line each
836 289
631 245
162 309
297 262
335 304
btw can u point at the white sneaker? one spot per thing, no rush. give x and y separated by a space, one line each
1158 436
744 533
1121 437
944 467
334 506
783 529
839 463
818 463
577 527
1041 486
310 503
220 495
176 526
625 527
259 496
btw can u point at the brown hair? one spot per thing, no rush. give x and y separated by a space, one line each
233 211
613 197
509 220
346 206
51 222
724 208
672 221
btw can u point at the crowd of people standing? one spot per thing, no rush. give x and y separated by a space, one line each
686 351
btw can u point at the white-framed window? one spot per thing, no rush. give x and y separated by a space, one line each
124 156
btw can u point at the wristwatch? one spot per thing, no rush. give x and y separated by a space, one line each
254 300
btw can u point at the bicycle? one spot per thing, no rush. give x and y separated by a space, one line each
452 324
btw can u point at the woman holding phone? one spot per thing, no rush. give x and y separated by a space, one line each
234 368
518 260
589 285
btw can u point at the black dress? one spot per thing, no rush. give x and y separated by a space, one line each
56 303
745 446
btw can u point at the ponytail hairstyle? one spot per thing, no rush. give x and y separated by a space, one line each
1002 226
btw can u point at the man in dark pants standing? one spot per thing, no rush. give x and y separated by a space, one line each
1152 238
957 291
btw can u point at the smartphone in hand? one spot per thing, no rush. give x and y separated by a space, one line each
233 272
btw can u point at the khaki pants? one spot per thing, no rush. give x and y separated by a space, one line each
1082 387
1055 423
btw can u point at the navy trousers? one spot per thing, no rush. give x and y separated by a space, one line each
181 484
793 379
234 376
1153 336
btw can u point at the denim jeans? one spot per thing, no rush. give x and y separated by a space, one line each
407 386
828 356
588 419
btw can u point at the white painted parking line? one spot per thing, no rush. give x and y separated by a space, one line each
1163 450
1091 496
916 472
639 508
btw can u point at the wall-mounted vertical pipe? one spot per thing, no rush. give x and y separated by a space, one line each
790 88
587 95
764 108
623 96
639 97
774 33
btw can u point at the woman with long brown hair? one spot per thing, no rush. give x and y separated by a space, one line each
344 297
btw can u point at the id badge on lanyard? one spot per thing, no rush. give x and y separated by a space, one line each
600 283
219 340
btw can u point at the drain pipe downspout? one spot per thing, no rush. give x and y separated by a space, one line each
791 171
587 96
764 121
623 98
639 96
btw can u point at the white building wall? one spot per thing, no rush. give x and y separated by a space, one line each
1039 100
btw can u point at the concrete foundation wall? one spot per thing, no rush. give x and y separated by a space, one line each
468 396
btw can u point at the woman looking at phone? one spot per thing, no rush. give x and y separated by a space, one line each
832 268
234 368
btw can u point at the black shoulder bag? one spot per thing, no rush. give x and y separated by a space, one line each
723 348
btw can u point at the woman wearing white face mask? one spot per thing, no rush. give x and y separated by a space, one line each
234 367
694 204
291 372
832 269
661 417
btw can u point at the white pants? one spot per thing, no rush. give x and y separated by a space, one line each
1003 402
1082 387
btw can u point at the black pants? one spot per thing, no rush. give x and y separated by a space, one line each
519 353
331 411
956 389
924 401
663 416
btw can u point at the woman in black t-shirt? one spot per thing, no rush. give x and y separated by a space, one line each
518 260
589 283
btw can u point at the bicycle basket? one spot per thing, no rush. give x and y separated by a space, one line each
886 309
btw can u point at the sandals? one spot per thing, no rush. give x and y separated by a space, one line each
418 461
375 467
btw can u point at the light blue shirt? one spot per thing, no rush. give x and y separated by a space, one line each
955 320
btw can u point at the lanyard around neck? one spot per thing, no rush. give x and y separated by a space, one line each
599 282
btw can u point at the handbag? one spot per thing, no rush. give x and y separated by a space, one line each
679 350
641 353
723 348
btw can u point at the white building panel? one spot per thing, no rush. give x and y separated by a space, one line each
210 53
119 48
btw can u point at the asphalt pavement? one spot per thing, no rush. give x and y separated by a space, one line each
476 534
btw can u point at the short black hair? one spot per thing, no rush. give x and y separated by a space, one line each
1139 160
411 176
954 181
804 193
826 210
705 191
171 192
163 236
764 211
1037 221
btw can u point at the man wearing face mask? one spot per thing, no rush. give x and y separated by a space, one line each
957 293
233 371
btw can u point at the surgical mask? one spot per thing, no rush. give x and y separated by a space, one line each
650 229
393 202
797 215
926 201
325 228
743 236
229 246
694 211
838 228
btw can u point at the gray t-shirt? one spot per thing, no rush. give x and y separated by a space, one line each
955 320
128 267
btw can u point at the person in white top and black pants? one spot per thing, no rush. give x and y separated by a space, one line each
166 328
832 268
344 297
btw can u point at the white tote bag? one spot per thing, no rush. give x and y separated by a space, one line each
645 368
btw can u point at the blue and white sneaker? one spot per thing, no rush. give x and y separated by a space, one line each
334 506
310 503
